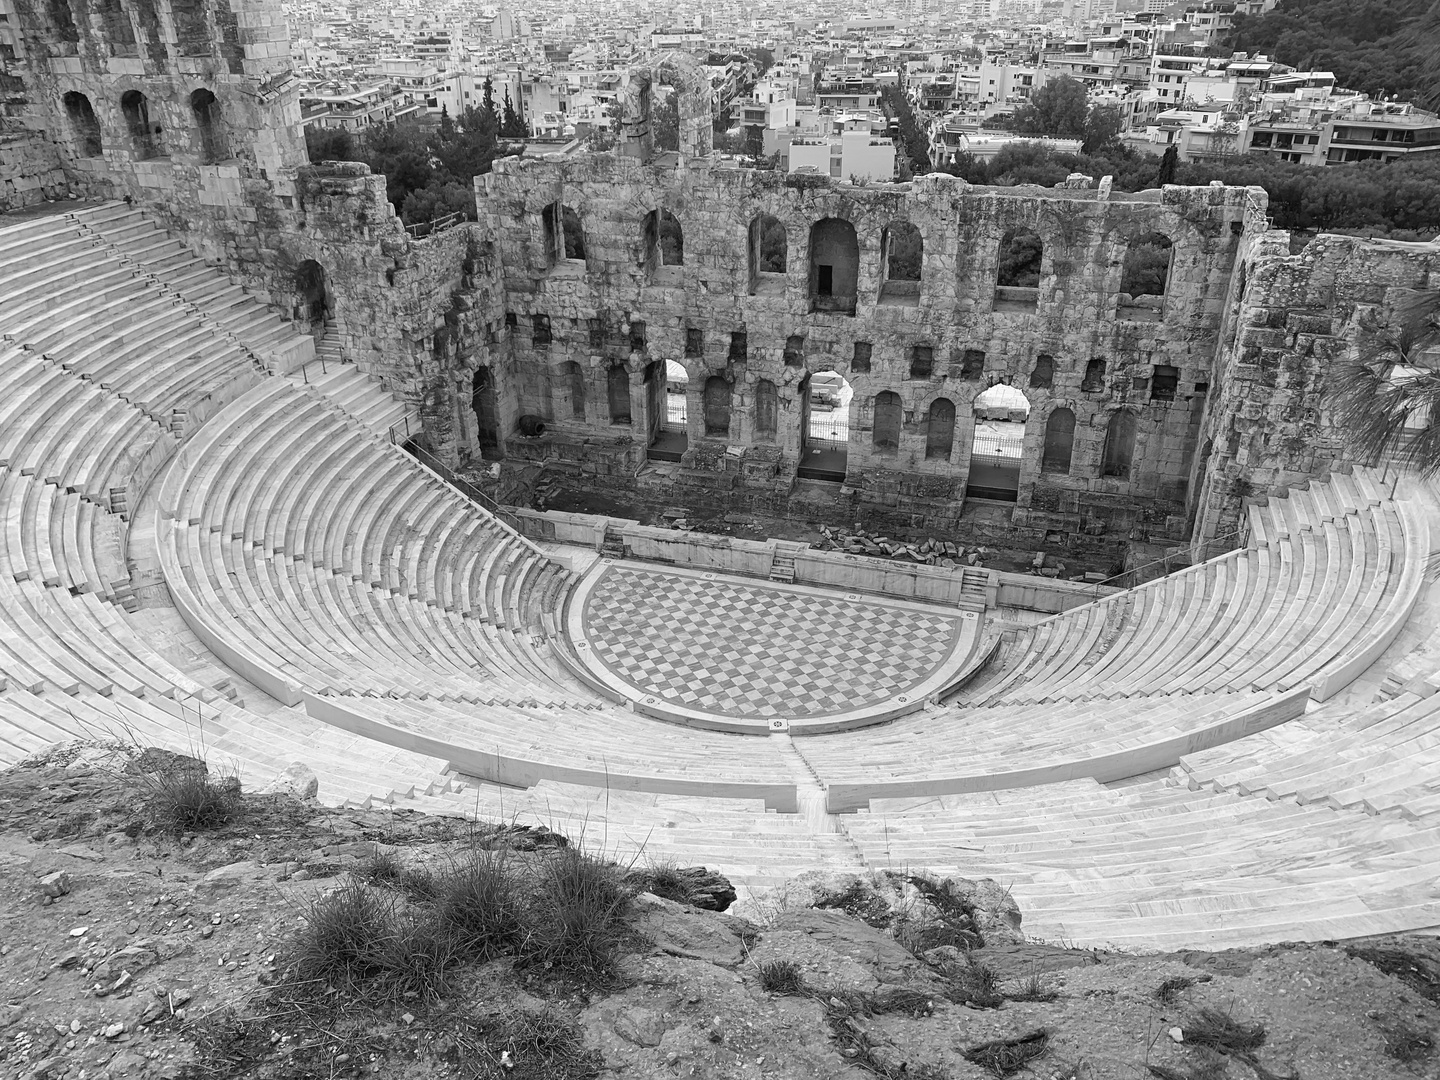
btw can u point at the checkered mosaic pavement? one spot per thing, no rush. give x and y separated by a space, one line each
736 649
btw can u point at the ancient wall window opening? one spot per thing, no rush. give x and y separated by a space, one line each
192 31
664 242
717 407
540 330
1144 278
84 125
922 361
512 321
1042 375
1164 381
1017 275
671 437
1119 445
597 333
314 304
971 366
794 354
574 377
145 140
940 430
834 266
904 256
1059 441
637 336
210 127
825 399
860 358
767 409
482 401
885 425
998 443
1094 380
564 238
617 391
63 19
768 256
694 343
739 347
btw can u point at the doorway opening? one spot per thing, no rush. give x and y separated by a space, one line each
671 437
825 426
1000 413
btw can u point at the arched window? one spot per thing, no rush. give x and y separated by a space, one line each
885 434
717 406
83 123
208 123
767 408
1044 372
1059 441
664 239
1147 271
1094 380
575 381
1119 445
1147 265
564 239
940 429
63 20
767 255
834 266
617 389
904 257
119 31
1017 277
144 136
482 400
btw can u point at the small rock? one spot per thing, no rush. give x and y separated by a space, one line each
1177 1035
297 781
54 885
114 1031
80 931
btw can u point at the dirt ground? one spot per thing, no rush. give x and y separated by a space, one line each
128 949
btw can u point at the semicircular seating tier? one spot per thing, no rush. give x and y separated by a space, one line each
401 641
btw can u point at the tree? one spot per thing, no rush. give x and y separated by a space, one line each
763 59
916 159
512 125
1057 109
1386 402
1102 129
1169 163
665 122
330 144
487 103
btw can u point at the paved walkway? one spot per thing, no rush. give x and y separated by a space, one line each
735 647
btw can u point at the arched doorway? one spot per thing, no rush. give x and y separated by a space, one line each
487 421
999 440
825 426
312 296
671 437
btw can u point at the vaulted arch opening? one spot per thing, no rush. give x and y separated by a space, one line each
84 126
313 305
1017 273
1145 277
887 416
1119 455
487 418
1059 441
940 430
663 240
717 407
671 437
573 377
904 253
834 266
998 443
767 409
144 134
564 238
617 391
767 256
209 126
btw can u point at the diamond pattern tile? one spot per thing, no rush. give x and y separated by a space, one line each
738 649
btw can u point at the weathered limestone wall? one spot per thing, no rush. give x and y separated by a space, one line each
1294 316
30 171
592 306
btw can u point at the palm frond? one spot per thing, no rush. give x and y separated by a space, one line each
1386 401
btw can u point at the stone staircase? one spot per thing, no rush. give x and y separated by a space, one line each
362 396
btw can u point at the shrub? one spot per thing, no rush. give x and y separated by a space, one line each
183 796
574 918
476 904
781 977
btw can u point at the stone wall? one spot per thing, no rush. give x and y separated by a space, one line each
592 307
30 171
1293 316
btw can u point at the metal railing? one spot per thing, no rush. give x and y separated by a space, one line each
444 472
1170 563
425 228
995 445
832 426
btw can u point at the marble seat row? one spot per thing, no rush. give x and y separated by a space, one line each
1313 604
1160 865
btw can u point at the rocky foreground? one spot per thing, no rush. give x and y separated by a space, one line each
130 948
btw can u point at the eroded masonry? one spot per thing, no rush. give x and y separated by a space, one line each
1103 367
